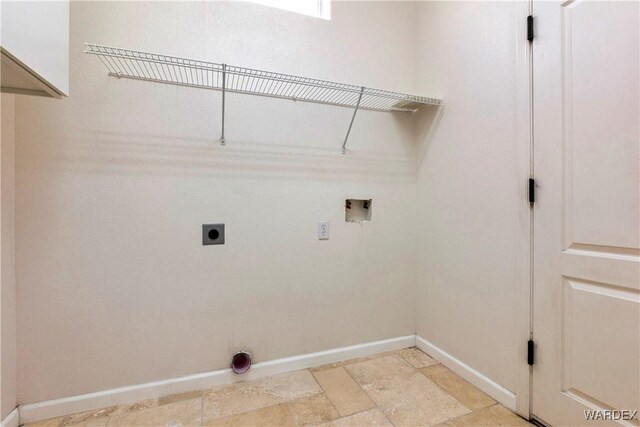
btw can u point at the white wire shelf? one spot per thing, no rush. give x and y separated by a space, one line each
132 64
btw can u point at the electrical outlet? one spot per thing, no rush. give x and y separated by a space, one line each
213 234
323 230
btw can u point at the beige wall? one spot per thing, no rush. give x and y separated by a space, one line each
114 182
8 366
471 209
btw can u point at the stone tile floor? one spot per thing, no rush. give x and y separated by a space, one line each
401 388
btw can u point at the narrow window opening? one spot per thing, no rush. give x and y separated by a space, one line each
316 8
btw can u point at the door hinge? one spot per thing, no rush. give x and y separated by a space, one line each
532 191
530 352
530 28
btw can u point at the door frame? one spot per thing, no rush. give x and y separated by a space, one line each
524 261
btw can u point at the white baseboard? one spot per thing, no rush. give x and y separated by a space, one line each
492 388
122 395
11 420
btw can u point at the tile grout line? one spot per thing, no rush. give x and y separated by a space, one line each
471 410
465 415
279 403
365 392
326 395
495 402
376 406
202 408
288 409
418 370
344 365
369 396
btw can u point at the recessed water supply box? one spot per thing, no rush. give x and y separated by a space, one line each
357 210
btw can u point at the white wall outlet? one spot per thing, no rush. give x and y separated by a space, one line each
323 230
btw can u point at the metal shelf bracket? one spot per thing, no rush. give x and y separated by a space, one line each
355 111
224 90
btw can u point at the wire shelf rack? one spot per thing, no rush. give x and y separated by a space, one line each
133 64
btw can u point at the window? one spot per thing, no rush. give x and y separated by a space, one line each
315 8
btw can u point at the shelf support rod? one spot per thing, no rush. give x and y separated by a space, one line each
344 144
224 86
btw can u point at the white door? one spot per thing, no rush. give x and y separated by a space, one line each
586 290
